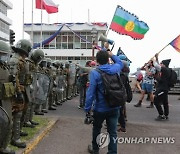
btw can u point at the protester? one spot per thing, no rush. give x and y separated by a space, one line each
101 111
139 77
125 79
162 88
148 83
93 64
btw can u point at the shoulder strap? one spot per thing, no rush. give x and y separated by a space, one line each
100 71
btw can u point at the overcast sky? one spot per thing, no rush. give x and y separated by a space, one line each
162 17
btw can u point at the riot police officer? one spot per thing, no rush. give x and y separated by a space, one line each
6 94
19 69
51 105
35 57
60 82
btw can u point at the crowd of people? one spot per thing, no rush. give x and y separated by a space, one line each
32 84
155 83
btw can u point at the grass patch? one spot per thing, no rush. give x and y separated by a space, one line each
43 122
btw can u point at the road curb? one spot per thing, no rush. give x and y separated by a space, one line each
32 144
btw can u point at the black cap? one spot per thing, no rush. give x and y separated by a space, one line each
166 62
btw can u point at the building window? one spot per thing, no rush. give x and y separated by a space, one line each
64 58
66 40
70 58
70 45
77 58
4 27
83 58
64 46
3 8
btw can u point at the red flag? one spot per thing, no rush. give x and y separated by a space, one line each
47 5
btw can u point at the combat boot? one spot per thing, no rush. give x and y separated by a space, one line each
58 103
138 104
44 111
52 108
33 122
39 113
16 131
28 124
23 133
54 105
18 143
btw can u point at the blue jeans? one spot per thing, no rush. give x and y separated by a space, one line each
111 118
147 87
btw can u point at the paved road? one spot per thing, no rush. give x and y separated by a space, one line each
71 136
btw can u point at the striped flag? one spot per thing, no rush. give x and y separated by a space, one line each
47 5
176 43
126 23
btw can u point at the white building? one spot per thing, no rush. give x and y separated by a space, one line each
5 22
73 42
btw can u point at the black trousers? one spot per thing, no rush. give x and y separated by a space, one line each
161 99
121 119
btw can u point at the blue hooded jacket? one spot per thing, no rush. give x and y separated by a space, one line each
94 95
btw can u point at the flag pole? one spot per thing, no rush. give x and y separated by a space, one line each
32 24
88 16
41 26
23 22
110 24
163 48
160 51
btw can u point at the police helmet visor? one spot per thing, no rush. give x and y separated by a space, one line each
4 57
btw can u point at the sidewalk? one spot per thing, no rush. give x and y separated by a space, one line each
38 137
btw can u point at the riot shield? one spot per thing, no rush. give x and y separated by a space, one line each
72 73
42 87
4 124
60 80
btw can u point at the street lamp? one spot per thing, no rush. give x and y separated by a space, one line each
94 34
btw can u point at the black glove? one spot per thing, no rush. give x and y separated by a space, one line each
89 119
20 97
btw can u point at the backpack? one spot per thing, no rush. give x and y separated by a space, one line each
139 77
172 80
114 90
125 81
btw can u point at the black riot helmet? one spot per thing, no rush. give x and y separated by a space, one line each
23 46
